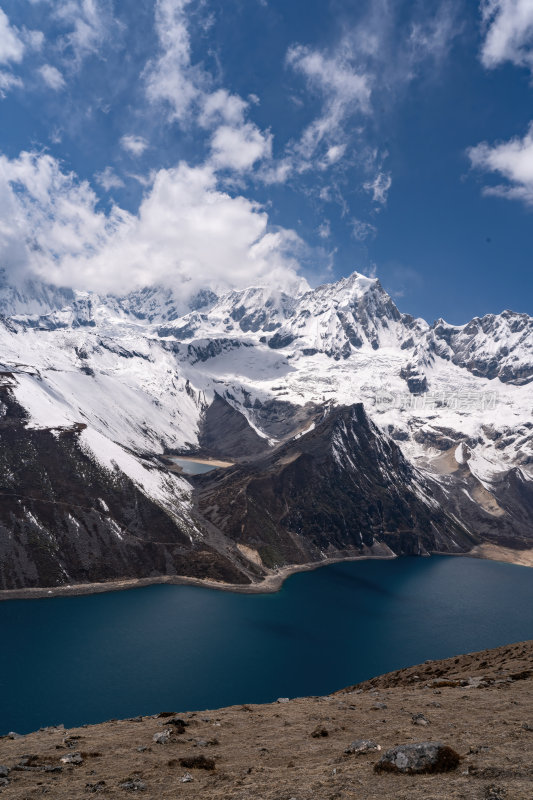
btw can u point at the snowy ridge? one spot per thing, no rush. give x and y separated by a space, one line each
140 370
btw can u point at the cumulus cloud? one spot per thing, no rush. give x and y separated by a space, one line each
52 77
239 148
187 232
512 160
509 32
136 145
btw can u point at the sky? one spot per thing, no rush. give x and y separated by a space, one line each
191 143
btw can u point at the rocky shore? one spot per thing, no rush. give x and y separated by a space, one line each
456 729
270 583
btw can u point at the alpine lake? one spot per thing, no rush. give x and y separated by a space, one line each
85 659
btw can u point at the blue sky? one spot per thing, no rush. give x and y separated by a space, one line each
190 142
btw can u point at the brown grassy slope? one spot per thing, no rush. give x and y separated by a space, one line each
480 704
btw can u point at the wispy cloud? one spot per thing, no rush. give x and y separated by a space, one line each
344 91
366 70
379 187
363 230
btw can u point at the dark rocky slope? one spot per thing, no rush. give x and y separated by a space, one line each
65 519
343 487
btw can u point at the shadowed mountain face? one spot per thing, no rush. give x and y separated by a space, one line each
342 487
65 519
226 433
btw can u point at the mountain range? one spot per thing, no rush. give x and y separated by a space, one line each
351 429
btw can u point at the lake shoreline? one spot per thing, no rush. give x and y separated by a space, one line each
269 584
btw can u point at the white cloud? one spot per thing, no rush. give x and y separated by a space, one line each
170 78
11 44
222 106
363 230
324 229
187 91
8 81
509 32
91 23
379 187
239 148
187 232
108 179
513 160
52 77
136 145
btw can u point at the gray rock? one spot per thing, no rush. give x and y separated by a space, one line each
379 706
413 759
134 785
361 746
419 719
72 758
527 727
162 737
187 778
282 700
4 782
13 735
4 771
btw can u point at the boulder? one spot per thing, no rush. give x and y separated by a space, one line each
419 719
162 737
4 771
72 758
413 759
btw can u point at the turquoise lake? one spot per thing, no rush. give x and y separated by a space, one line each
193 467
177 648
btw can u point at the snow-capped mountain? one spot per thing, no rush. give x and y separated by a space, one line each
129 379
